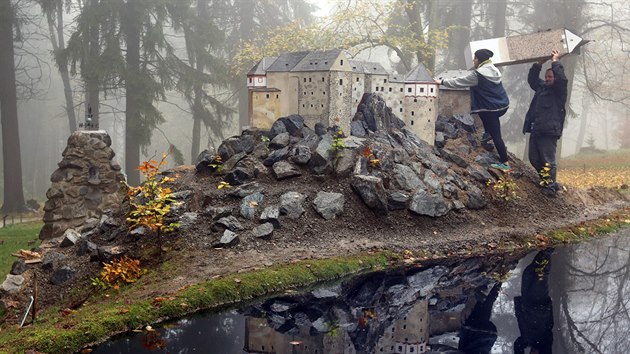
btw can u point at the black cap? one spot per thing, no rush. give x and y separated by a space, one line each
483 54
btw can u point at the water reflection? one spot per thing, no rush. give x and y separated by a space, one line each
490 305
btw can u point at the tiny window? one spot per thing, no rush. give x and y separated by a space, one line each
415 100
250 79
384 81
341 62
323 79
431 89
311 105
429 109
412 112
340 81
267 95
310 80
304 79
401 90
401 110
421 89
357 79
324 92
390 89
312 93
412 121
303 105
409 89
322 105
277 96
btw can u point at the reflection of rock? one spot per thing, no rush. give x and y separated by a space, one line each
375 313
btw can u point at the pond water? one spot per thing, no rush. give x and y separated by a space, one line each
564 300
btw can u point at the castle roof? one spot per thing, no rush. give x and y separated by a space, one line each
419 74
366 67
261 67
287 61
318 61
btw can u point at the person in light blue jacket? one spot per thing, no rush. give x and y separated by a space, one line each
487 98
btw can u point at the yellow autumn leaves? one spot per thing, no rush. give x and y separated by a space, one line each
605 177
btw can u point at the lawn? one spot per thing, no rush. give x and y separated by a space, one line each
16 237
609 169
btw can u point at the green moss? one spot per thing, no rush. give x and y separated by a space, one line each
102 317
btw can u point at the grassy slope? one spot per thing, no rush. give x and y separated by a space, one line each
16 237
609 169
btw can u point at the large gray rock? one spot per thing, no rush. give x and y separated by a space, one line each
405 178
371 191
376 115
284 169
291 204
250 205
424 203
329 205
12 284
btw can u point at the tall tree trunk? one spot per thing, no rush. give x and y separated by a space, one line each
58 43
198 64
583 120
499 18
434 16
246 11
132 80
91 76
460 38
12 162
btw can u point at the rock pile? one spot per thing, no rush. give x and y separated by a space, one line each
87 182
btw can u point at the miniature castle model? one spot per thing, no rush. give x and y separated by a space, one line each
326 87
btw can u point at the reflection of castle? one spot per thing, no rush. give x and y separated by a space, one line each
326 87
262 339
409 334
405 335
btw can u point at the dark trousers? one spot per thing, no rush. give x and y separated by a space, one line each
492 126
542 150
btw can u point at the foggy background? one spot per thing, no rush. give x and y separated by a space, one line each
223 39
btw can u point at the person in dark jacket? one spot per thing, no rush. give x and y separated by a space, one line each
545 119
487 98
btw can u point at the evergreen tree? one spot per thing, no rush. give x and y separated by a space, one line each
12 162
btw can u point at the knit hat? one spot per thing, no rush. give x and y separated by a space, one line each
483 55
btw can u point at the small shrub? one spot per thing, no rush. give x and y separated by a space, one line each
368 153
337 143
217 164
119 272
504 188
545 175
151 201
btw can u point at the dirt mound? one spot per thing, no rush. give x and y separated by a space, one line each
196 251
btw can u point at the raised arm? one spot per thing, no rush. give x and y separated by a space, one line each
560 84
533 78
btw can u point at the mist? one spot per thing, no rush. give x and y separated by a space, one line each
193 56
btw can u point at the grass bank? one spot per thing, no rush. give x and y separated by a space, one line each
15 237
62 331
